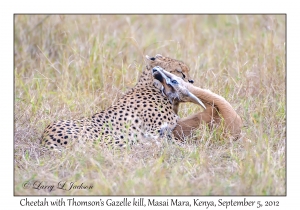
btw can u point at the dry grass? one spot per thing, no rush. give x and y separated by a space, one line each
74 66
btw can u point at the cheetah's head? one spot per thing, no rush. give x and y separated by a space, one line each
171 65
173 87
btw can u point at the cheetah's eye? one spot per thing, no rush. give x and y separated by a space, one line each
174 81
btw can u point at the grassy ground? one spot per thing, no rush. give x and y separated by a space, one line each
74 66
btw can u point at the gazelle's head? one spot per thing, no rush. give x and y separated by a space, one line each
173 87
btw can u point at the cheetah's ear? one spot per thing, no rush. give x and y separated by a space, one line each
158 56
150 58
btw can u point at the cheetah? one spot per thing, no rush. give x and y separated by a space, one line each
145 111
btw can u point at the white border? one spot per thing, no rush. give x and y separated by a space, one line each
152 6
